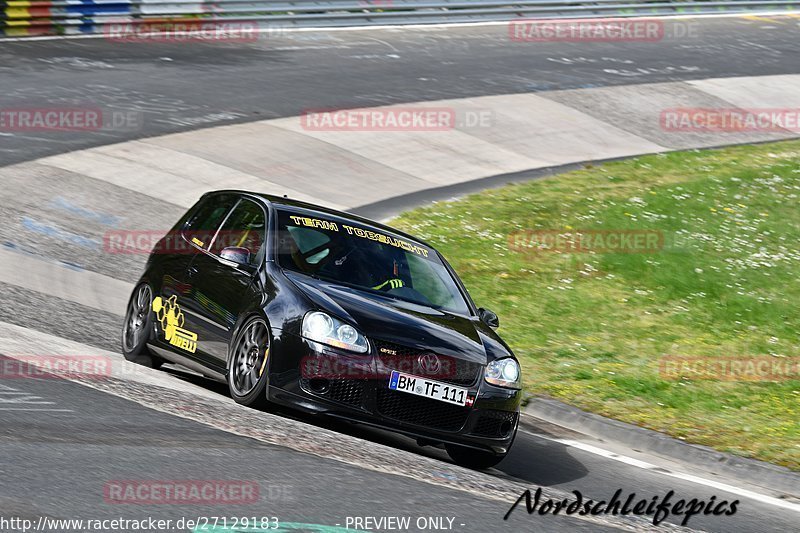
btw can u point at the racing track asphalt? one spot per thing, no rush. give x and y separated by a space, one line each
178 87
63 460
55 463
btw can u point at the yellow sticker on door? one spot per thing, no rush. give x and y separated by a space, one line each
171 317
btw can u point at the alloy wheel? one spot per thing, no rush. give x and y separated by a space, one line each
136 317
250 357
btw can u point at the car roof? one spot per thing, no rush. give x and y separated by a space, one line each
282 201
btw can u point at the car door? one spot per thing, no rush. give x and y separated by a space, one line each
224 282
176 253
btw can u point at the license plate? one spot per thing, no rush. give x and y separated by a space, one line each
427 388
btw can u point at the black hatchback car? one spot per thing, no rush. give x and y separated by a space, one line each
327 312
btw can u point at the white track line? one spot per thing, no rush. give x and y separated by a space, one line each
280 30
762 498
29 409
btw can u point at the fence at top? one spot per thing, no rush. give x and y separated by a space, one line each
65 17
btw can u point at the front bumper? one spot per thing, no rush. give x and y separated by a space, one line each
357 392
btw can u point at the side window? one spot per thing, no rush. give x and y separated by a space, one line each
202 225
244 228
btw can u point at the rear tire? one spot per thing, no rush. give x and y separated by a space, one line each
137 327
471 458
247 366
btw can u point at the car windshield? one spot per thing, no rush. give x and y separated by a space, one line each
352 254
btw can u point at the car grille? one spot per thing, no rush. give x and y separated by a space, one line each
405 359
346 391
349 391
492 423
421 411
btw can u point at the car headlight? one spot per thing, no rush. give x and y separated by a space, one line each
503 373
325 329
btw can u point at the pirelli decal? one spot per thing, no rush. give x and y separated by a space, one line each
362 233
169 314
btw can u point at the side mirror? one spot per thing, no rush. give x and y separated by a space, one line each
489 318
240 256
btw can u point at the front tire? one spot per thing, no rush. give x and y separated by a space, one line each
247 367
471 458
137 327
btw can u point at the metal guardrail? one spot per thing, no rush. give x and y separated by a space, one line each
64 17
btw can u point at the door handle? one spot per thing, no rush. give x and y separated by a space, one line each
191 271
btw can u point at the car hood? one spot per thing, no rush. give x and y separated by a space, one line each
397 321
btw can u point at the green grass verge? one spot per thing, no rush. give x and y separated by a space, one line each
591 328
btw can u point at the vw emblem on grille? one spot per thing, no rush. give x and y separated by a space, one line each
430 364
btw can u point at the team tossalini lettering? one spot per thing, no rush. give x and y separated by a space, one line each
358 232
